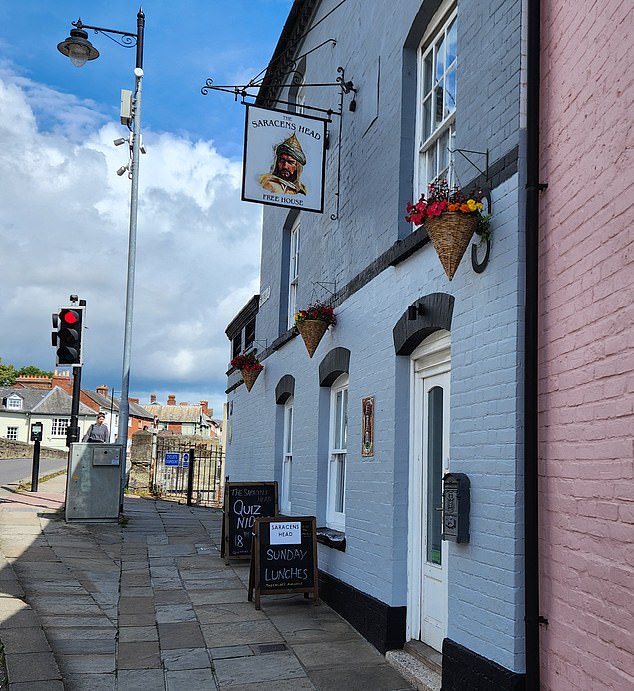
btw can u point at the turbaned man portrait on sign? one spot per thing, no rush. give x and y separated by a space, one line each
284 159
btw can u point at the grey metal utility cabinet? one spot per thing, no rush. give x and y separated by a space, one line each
93 482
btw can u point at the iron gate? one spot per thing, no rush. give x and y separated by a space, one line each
187 470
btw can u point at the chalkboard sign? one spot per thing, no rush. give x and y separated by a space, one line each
284 557
243 503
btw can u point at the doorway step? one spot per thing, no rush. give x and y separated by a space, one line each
419 664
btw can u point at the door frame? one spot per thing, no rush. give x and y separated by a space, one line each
431 358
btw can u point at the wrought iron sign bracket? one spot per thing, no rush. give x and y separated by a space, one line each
244 92
477 265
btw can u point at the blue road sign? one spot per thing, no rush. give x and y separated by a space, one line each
172 459
185 460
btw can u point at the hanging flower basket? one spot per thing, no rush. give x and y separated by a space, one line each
450 234
312 331
450 218
312 324
249 366
249 376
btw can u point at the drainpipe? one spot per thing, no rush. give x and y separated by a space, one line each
533 188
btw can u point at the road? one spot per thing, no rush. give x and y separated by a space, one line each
13 470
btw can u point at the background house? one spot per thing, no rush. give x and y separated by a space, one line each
22 407
586 347
101 400
182 418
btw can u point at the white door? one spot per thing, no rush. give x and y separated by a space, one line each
427 568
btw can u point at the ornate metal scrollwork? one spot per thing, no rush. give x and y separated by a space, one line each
126 39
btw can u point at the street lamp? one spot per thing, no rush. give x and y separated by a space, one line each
78 48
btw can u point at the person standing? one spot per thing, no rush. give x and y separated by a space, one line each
98 432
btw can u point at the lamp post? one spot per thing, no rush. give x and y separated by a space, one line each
78 48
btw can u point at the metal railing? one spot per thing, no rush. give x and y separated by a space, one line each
184 470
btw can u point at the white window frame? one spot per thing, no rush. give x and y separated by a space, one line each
14 402
12 433
434 138
337 454
287 459
293 271
59 426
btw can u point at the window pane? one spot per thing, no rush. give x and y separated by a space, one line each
293 273
431 163
340 477
236 345
443 152
440 58
344 436
427 73
451 43
439 106
450 91
289 431
434 473
338 419
426 118
249 334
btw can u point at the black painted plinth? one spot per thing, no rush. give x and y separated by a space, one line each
464 670
382 625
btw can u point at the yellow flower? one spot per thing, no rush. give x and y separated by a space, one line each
480 206
472 204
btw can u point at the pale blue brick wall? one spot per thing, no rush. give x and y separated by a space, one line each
485 577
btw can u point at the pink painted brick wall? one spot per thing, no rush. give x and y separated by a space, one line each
587 346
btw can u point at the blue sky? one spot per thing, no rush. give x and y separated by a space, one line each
64 211
185 42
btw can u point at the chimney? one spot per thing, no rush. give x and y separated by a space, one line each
171 399
102 389
152 398
63 380
205 406
133 400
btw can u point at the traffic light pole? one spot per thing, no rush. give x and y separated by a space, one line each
72 432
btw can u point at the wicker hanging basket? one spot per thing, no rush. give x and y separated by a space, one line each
249 376
312 331
450 234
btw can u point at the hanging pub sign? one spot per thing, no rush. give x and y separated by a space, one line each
284 159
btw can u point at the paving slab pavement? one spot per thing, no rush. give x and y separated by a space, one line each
148 604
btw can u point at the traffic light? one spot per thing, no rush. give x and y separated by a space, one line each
69 322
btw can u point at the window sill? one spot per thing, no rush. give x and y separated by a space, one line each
332 538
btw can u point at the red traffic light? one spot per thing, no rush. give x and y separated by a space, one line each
70 317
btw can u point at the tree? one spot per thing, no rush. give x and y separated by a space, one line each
7 374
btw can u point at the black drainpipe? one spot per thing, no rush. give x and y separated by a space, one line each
533 188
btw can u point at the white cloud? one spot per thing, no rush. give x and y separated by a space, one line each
64 229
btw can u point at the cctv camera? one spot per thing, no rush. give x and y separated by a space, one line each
122 170
119 141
